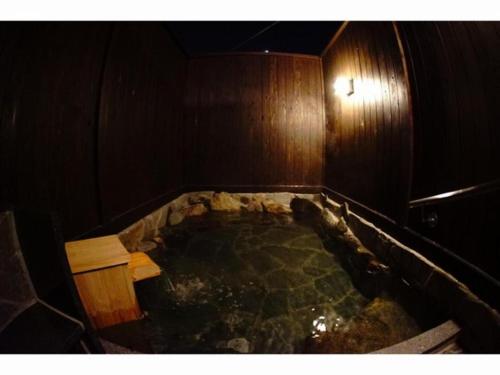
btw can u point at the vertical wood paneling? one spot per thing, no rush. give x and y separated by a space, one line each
455 80
68 143
368 134
49 77
140 139
254 120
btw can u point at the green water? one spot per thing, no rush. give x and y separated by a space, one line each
255 283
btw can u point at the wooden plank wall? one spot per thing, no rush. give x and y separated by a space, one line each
49 85
455 70
368 134
456 84
140 140
85 121
254 119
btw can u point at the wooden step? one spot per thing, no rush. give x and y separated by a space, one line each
142 267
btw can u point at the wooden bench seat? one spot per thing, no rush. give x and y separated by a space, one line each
142 267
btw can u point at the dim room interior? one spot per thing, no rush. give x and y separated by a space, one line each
250 187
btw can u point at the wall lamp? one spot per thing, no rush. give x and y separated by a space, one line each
344 86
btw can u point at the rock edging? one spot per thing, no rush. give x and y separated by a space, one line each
358 236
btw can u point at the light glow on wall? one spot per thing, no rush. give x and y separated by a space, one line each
369 90
362 90
344 86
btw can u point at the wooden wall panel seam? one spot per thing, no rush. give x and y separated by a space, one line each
96 131
402 52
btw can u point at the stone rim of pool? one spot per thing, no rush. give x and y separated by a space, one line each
336 223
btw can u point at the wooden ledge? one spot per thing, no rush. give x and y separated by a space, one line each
142 267
96 253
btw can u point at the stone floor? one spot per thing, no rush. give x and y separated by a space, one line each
255 283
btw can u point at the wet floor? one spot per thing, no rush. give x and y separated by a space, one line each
248 283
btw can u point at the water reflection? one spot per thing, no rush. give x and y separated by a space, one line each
252 283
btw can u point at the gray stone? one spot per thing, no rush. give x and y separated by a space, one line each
275 304
342 225
344 212
285 279
224 202
334 285
163 214
416 270
272 207
240 344
322 261
293 258
261 261
330 204
311 241
151 227
303 296
252 297
305 207
145 246
283 198
313 271
180 202
199 197
176 217
252 203
279 235
272 334
365 232
195 210
133 235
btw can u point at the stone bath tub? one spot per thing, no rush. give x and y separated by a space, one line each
287 273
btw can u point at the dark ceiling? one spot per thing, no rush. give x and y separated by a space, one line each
202 37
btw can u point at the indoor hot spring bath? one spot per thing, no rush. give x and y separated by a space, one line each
250 187
262 282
